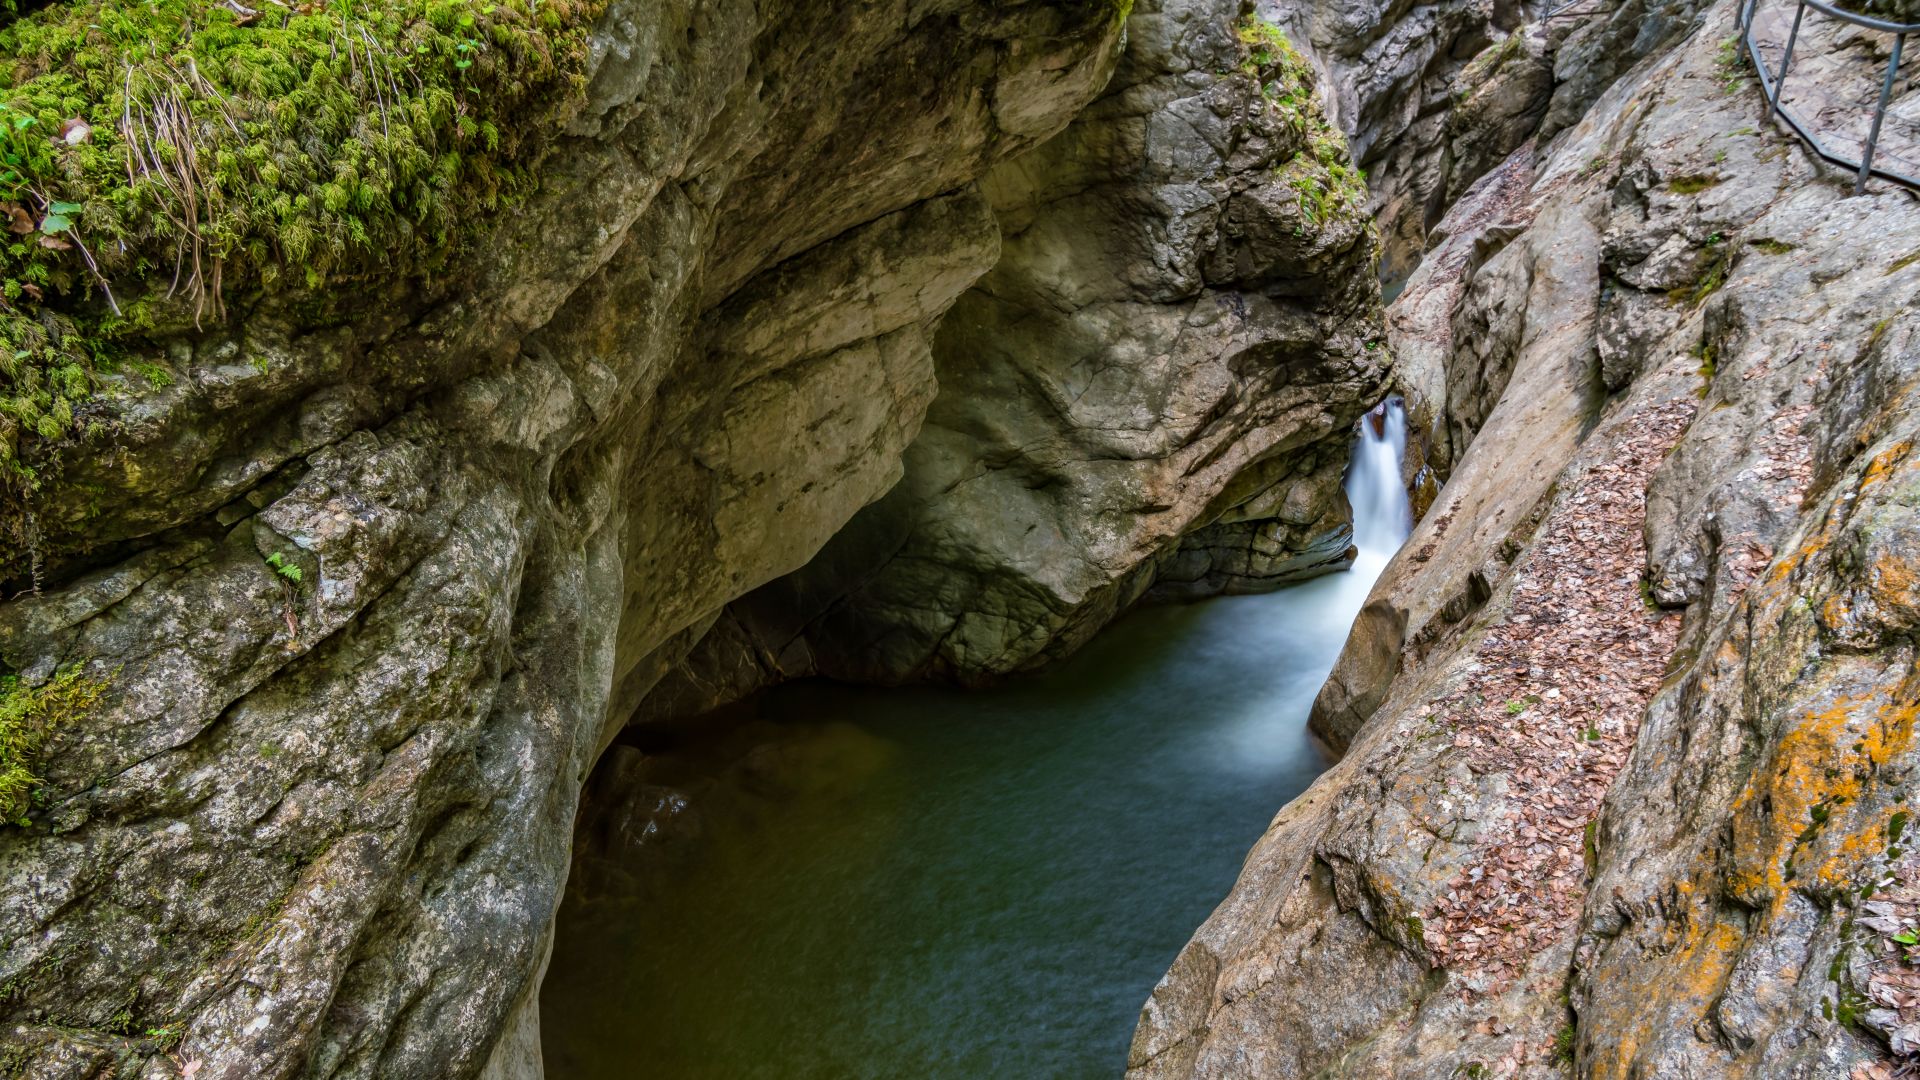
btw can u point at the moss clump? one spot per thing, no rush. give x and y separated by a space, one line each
28 715
1270 54
209 147
1693 185
1712 276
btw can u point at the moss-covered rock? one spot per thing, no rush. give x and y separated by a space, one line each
28 715
158 157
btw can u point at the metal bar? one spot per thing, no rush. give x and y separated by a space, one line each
1867 21
1804 133
1879 114
1786 58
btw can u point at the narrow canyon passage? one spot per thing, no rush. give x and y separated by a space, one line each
860 882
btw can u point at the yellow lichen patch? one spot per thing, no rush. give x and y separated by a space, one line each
1695 962
1884 463
1777 804
1820 765
1792 560
1853 851
1893 584
1882 466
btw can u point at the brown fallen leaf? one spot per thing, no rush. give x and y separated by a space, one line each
75 131
243 14
54 243
18 220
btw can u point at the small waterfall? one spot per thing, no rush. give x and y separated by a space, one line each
1382 516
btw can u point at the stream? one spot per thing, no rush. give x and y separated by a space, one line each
854 882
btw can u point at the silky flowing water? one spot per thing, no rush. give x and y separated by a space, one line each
935 883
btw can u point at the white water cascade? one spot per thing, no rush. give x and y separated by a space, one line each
1382 516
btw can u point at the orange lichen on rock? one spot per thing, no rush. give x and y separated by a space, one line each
1883 464
1818 767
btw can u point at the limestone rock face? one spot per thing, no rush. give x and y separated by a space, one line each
1151 391
367 598
1629 757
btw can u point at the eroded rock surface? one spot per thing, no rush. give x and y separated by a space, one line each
1151 391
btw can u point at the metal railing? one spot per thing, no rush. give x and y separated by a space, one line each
1772 84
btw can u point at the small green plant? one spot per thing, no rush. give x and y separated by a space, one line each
29 715
1731 62
288 570
166 1037
1563 1043
1516 707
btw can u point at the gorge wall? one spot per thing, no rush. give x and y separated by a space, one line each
904 341
331 607
1628 722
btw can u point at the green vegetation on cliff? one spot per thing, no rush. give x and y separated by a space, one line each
156 155
28 715
1322 173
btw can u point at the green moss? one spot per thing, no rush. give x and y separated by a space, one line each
181 143
1487 64
1772 246
1711 278
1270 54
1693 185
28 716
1731 62
1875 335
1902 263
